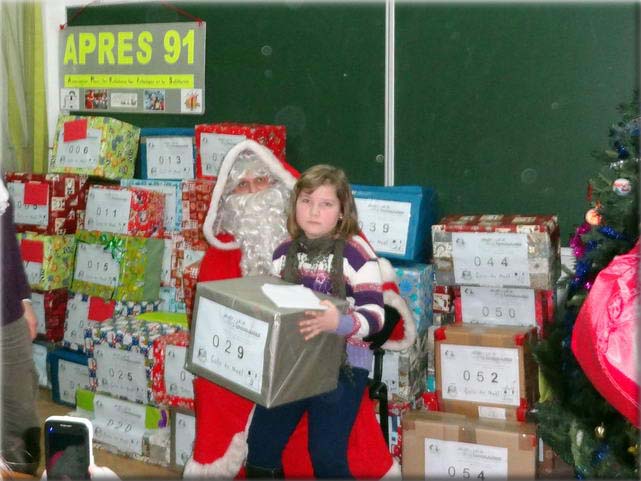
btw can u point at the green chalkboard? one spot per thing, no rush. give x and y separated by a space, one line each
499 105
317 68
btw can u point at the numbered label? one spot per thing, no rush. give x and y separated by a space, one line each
170 158
119 423
385 223
71 376
191 256
480 374
77 321
38 306
79 154
178 382
108 210
121 373
31 214
34 272
213 148
458 460
491 259
498 306
167 262
185 435
95 265
230 344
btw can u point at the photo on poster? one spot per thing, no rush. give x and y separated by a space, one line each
96 99
191 101
124 100
70 99
154 100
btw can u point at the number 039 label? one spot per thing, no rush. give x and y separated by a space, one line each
385 223
457 460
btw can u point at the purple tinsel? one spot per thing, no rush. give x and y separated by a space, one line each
577 245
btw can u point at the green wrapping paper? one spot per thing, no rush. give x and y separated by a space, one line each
48 259
118 267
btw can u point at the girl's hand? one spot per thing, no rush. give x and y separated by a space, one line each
316 322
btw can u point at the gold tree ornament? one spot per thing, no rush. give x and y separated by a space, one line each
599 431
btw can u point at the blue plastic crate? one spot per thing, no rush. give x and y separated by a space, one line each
397 220
186 171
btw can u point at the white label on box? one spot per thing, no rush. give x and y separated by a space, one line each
108 210
79 154
498 305
213 148
178 382
77 321
121 373
40 360
96 265
386 224
191 256
491 412
185 435
119 423
31 214
38 306
458 460
480 374
167 256
33 271
491 259
171 200
230 344
390 374
71 376
170 158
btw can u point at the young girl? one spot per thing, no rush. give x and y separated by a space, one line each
326 254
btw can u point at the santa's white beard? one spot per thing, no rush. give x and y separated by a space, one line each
258 221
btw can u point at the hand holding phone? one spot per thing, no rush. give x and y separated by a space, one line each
68 447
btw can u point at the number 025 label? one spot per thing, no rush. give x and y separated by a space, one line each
457 460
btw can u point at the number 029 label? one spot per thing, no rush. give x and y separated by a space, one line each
458 460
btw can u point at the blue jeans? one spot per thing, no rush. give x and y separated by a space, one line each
330 419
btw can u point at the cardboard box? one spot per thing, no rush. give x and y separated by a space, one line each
439 445
213 141
98 146
397 219
172 190
183 434
50 307
196 196
497 250
48 203
48 259
69 372
166 154
119 267
415 282
243 342
485 371
171 384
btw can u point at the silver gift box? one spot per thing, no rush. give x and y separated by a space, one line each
242 341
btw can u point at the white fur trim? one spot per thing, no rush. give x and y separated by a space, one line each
229 464
388 274
391 298
270 160
394 471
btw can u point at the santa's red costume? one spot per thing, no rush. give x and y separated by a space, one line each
222 417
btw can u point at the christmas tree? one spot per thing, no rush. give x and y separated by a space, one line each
573 418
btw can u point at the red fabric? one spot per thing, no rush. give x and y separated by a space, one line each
99 309
36 193
32 250
604 338
75 130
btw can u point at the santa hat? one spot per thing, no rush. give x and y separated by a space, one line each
280 171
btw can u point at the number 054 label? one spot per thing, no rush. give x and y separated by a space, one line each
457 460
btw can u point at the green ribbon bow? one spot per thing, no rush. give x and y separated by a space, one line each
115 245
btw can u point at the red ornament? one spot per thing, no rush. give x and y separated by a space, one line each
593 217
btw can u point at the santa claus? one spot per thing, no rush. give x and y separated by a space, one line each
246 221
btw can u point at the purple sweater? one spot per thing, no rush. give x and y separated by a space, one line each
364 294
14 280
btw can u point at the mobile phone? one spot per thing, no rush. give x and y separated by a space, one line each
68 447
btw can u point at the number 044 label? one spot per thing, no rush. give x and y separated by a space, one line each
457 460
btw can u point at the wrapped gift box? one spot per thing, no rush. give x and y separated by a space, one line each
172 385
69 372
48 259
48 203
125 210
441 445
415 282
84 313
485 371
172 190
183 433
167 153
497 250
243 342
118 267
395 413
213 141
167 296
443 299
196 196
507 306
98 146
122 357
397 220
50 307
41 349
190 279
186 255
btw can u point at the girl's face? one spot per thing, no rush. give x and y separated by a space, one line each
317 212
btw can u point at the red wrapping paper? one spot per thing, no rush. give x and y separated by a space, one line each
158 386
196 197
55 307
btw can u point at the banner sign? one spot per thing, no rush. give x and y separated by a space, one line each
153 68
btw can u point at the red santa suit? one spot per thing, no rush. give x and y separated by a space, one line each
223 418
